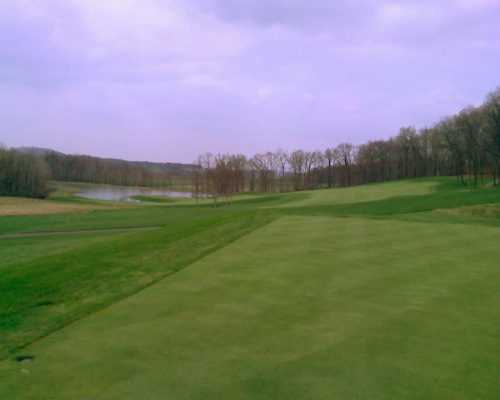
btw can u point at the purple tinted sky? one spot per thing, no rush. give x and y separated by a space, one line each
168 80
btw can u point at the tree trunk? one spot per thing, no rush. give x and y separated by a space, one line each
329 174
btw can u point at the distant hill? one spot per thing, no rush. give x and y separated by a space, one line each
36 151
111 171
167 166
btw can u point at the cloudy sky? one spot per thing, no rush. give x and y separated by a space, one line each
166 80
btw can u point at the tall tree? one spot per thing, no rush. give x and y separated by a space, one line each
469 123
23 175
455 144
296 162
266 165
281 158
345 154
209 164
197 179
329 157
491 110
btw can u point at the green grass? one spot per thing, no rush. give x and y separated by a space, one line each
306 307
138 216
396 299
400 207
154 199
366 193
59 281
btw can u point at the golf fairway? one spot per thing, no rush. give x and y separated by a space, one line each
302 308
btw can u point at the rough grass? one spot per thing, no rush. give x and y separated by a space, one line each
304 308
23 206
483 214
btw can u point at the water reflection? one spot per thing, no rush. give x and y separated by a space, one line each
116 193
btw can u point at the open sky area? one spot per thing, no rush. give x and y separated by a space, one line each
168 80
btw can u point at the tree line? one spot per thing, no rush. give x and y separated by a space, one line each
87 169
26 172
466 145
23 175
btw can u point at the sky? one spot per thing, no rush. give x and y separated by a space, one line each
167 80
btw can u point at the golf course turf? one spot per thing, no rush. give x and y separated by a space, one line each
390 291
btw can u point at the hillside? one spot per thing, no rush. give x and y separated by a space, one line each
166 166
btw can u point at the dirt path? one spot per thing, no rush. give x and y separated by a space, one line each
21 235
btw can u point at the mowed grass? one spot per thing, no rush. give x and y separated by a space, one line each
125 217
447 196
370 305
365 193
48 282
302 308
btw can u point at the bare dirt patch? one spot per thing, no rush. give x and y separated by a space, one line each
23 206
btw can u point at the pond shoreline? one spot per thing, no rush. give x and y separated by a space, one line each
116 193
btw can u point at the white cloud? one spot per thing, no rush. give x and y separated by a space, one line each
262 72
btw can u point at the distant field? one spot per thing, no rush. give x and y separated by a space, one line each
386 291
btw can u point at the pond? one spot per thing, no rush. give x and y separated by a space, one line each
116 193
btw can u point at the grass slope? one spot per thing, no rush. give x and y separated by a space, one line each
364 193
304 308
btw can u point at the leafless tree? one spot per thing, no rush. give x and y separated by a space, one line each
281 158
345 154
197 179
491 110
209 164
265 165
329 157
296 162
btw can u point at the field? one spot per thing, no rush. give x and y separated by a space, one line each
20 206
385 291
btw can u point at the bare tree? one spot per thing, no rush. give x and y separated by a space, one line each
266 165
469 124
296 162
23 175
281 158
344 154
318 165
197 178
238 165
209 164
329 156
491 110
455 144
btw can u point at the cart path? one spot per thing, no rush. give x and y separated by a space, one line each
21 235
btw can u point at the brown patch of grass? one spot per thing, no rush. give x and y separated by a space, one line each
24 206
482 210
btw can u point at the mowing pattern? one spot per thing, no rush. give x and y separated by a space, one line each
303 308
49 282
